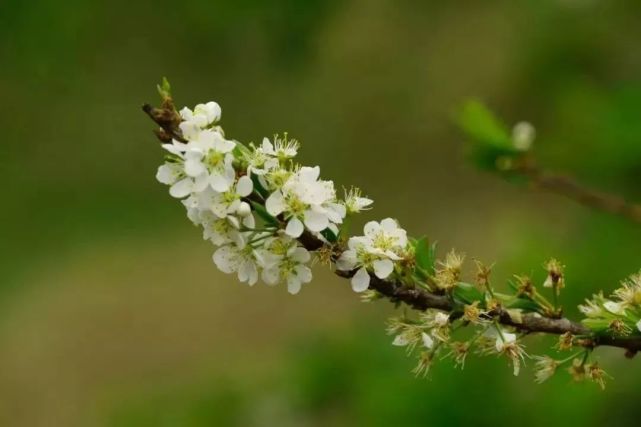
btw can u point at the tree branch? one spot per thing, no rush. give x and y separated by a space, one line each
420 299
568 187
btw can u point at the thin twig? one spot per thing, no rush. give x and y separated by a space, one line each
568 187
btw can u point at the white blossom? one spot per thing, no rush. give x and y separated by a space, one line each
210 155
306 201
355 202
240 259
523 134
201 117
376 251
224 230
228 202
284 262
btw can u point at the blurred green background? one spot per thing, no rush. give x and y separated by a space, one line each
111 312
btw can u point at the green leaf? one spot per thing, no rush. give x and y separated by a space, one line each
490 139
258 187
262 212
164 88
424 254
466 293
482 126
329 235
523 303
421 253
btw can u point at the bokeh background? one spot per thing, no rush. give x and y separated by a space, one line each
111 311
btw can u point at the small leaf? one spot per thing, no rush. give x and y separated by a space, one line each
422 253
262 212
466 293
329 235
258 187
480 124
164 88
491 145
523 304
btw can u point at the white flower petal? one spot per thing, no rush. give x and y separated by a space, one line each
309 175
371 228
400 340
275 203
300 255
182 188
219 182
360 281
194 167
293 285
243 210
271 276
316 221
294 228
383 268
244 186
167 173
639 325
347 261
428 341
389 224
304 273
226 259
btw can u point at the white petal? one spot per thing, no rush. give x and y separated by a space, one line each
244 186
167 173
194 167
304 273
308 174
225 259
294 228
223 145
267 146
371 228
243 210
275 203
247 272
293 285
316 221
400 340
249 221
613 307
300 255
213 111
200 183
219 182
383 268
360 281
428 342
271 276
389 224
639 325
347 261
182 188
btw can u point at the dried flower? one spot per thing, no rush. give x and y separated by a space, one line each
545 368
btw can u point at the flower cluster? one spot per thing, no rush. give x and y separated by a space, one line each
268 216
254 202
620 314
375 252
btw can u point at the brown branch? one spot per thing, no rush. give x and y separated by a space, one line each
420 299
568 187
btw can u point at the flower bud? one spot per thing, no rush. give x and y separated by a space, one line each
523 135
243 209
